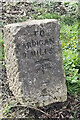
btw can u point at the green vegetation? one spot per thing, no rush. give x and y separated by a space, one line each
69 41
69 38
7 109
1 48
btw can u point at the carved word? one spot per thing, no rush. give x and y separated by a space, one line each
34 43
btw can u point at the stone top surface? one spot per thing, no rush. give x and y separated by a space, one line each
31 22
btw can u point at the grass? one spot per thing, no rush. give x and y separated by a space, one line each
71 57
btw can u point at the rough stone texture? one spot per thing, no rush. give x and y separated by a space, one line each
34 62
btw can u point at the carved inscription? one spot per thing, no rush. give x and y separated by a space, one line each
42 33
40 48
37 48
43 65
34 43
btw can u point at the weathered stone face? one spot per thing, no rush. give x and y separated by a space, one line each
34 62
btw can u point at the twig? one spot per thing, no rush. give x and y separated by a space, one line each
31 107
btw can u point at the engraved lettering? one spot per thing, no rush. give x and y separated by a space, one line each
42 65
45 51
41 33
37 53
33 43
28 45
41 42
46 42
41 52
51 50
51 40
35 33
33 53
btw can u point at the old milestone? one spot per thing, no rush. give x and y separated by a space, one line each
34 62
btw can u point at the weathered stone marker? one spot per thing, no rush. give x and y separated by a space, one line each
34 62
